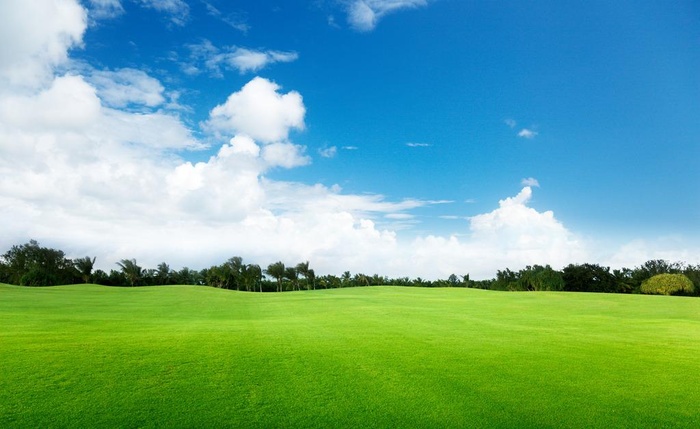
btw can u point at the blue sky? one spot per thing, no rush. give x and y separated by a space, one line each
402 137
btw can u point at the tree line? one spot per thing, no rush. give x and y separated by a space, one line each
30 264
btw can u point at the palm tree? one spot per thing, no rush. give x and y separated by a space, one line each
276 270
311 277
233 268
84 267
163 273
291 274
303 270
131 270
252 274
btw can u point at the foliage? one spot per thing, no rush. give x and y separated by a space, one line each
277 271
588 278
132 272
668 284
32 265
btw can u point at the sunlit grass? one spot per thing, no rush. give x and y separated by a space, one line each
180 356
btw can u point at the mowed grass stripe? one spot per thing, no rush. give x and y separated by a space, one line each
180 356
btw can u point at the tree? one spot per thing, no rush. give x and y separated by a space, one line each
311 278
33 265
232 271
187 276
453 280
302 269
276 270
132 272
538 278
252 276
345 279
505 280
163 273
668 284
588 278
84 267
291 274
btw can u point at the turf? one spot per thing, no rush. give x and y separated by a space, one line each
93 356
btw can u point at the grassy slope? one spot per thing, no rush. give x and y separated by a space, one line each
91 356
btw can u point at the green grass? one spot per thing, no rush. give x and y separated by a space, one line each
92 356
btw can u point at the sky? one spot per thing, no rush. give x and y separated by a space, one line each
413 138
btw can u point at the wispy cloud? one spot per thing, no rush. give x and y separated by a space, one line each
530 181
105 9
127 87
363 15
527 133
350 148
418 144
177 10
328 152
206 56
235 20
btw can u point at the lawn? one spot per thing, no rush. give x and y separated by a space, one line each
181 356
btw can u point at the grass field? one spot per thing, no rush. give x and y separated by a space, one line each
179 356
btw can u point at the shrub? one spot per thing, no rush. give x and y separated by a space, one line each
667 284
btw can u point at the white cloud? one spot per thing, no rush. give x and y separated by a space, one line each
418 144
125 87
207 56
37 35
530 181
363 15
527 134
236 21
328 152
285 155
68 104
247 60
105 9
259 111
399 216
638 251
177 10
511 123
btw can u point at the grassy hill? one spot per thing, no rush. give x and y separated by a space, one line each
181 356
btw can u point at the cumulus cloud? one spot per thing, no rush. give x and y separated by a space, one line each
37 35
285 155
259 111
205 55
363 15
